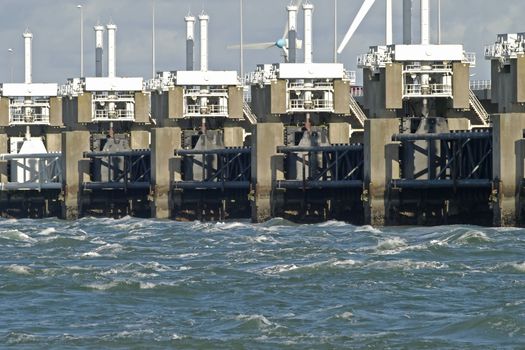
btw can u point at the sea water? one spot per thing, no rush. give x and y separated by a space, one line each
135 283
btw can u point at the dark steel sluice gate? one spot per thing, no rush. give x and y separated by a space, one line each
119 184
34 185
321 183
446 178
214 184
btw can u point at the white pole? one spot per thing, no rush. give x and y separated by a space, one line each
425 25
81 40
99 48
389 30
11 52
28 37
335 31
112 60
204 41
153 41
242 41
308 46
439 22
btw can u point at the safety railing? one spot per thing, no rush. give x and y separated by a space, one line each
40 171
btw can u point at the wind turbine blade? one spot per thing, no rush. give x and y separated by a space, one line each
256 46
367 4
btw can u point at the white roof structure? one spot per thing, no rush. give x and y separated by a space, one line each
101 84
30 90
206 78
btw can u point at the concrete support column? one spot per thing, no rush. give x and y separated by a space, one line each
75 171
339 133
265 167
381 166
54 142
139 139
4 148
164 142
507 165
233 136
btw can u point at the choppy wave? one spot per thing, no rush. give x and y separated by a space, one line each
104 283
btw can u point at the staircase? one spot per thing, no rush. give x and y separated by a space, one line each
357 112
248 113
477 107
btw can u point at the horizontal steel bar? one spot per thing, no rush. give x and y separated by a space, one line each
210 185
116 185
117 154
298 184
334 148
429 184
190 152
26 156
15 186
445 136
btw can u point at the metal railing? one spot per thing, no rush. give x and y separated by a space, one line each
480 85
198 110
205 92
19 116
415 90
39 171
118 114
301 104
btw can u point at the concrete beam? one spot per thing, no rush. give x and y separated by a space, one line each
164 142
381 166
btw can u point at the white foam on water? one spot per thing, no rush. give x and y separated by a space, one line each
258 318
407 264
46 232
147 285
175 336
277 269
333 223
91 255
395 244
348 262
368 228
519 267
347 315
473 236
230 225
102 286
19 269
16 235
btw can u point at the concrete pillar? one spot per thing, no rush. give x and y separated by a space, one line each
164 142
75 170
339 133
233 136
381 166
265 167
54 142
458 124
507 143
139 139
4 148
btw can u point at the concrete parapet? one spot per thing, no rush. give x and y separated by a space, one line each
458 124
265 167
54 141
75 171
381 166
233 136
164 142
507 166
339 133
4 176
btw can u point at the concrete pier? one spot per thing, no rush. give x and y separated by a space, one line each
164 142
75 171
507 166
265 167
381 166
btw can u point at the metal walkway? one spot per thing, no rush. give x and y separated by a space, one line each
477 107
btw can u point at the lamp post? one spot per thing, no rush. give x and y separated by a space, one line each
81 40
153 41
11 52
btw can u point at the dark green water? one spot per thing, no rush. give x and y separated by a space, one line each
145 284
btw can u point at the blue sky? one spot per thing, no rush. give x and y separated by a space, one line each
55 25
